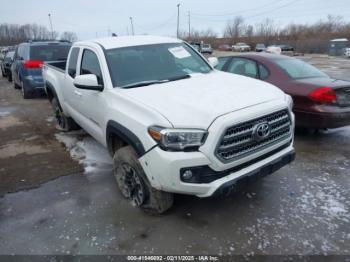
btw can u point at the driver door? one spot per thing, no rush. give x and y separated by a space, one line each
92 103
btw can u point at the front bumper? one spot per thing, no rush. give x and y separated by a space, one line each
163 170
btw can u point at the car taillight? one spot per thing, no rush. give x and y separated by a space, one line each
28 64
323 95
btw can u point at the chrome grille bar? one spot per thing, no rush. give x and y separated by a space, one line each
240 140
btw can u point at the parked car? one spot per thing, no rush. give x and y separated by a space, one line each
172 123
225 47
28 60
196 47
274 50
319 101
260 48
286 48
347 52
206 49
241 47
6 65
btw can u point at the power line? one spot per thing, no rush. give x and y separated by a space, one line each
239 12
247 17
166 22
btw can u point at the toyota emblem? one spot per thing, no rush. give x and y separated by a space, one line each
262 131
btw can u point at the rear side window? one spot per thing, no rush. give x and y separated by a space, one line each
264 72
243 66
91 65
72 64
50 52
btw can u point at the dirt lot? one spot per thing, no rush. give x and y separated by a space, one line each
302 209
29 152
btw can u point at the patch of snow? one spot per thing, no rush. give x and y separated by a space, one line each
86 150
5 113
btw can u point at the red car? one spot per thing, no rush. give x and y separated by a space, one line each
319 101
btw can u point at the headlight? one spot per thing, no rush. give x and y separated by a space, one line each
177 139
289 101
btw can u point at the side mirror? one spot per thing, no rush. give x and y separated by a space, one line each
213 61
88 82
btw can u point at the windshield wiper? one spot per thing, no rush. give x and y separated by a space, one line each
152 82
175 78
145 83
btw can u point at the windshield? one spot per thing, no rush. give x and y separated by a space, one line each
148 63
298 69
51 52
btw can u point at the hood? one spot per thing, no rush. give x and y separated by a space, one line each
199 100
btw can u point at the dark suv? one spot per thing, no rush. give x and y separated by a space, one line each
28 60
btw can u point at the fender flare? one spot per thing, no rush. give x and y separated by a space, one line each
49 86
124 133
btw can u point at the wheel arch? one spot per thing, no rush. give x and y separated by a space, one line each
51 93
116 131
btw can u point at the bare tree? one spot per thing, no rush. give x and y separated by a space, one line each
234 28
69 36
267 30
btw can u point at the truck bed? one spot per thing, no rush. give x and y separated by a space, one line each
58 65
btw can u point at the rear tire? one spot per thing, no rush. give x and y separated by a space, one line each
9 78
26 94
134 185
15 86
64 123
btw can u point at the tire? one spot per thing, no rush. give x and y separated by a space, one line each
64 123
9 78
15 86
2 73
26 94
134 184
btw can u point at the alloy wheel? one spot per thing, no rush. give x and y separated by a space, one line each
131 184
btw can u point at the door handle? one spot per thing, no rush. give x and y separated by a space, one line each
78 93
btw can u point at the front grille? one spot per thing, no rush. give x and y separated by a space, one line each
241 140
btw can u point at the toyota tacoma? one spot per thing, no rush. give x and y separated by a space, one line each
172 123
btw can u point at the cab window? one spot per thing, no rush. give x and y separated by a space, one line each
72 64
91 65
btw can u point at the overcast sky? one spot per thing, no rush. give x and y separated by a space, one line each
89 18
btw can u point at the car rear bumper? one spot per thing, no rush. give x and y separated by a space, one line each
322 119
34 83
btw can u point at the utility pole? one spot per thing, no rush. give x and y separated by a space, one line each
189 25
51 26
178 20
132 26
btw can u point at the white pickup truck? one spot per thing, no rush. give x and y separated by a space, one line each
172 123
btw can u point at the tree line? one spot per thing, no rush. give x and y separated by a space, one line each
12 34
304 37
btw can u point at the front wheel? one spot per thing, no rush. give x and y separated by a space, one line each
134 185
